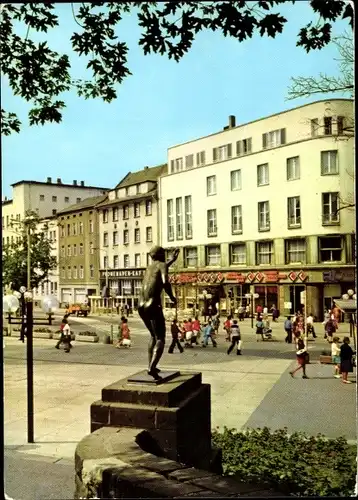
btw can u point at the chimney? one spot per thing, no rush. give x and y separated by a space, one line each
146 167
5 198
232 121
59 180
49 180
75 183
82 183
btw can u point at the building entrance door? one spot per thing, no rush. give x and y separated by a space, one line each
295 298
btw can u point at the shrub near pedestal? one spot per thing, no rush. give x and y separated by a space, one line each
87 337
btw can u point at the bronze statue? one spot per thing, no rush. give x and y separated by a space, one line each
150 306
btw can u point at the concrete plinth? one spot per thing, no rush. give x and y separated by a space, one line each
176 412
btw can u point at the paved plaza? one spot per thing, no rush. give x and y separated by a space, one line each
252 390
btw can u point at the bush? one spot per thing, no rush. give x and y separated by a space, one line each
90 334
293 464
43 330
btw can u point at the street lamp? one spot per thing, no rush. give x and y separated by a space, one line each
252 297
10 305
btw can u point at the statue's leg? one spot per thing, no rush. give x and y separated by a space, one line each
146 318
158 326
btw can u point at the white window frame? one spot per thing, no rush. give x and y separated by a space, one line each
91 227
148 207
125 237
200 159
91 271
213 255
137 235
235 180
105 239
264 223
188 217
74 228
294 212
115 261
81 248
74 274
80 227
236 219
149 234
329 162
211 185
244 147
293 168
176 165
328 125
126 287
189 161
264 249
126 260
330 208
74 249
179 218
69 251
125 212
81 272
115 214
263 178
296 251
69 273
170 220
212 222
191 257
239 257
136 209
105 216
115 238
222 153
137 260
91 248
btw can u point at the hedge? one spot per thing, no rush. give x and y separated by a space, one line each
295 464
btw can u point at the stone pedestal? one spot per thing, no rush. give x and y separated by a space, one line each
176 412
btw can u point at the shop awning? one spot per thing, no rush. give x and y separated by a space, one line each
346 305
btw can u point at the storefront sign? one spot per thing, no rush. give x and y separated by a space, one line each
236 277
123 273
205 278
334 275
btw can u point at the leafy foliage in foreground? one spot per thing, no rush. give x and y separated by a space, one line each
294 464
40 75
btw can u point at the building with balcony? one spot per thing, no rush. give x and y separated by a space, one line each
259 208
129 228
78 247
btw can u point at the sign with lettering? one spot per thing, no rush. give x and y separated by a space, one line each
206 278
123 273
334 275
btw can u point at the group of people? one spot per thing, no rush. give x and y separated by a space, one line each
190 331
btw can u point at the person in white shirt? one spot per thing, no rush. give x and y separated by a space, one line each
336 359
310 327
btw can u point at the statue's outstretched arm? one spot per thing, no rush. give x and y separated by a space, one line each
174 257
166 284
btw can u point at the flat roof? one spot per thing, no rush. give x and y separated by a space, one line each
259 119
59 185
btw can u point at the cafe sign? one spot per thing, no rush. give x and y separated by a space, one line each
123 273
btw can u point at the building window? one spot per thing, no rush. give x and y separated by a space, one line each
126 237
200 159
68 250
54 198
42 197
115 237
75 272
54 211
148 207
213 255
105 216
127 191
263 174
105 262
188 218
243 147
149 234
235 180
211 185
327 125
62 251
190 257
69 272
222 153
62 231
236 219
105 239
67 199
137 188
179 217
176 165
136 209
329 162
274 138
137 260
340 125
314 127
91 271
293 168
264 215
149 260
75 250
170 219
115 214
80 227
74 229
189 161
63 273
212 223
126 287
137 235
68 229
126 260
294 212
91 248
81 273
91 226
264 252
296 251
115 261
78 200
330 206
237 253
330 248
125 212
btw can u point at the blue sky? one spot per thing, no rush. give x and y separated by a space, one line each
163 103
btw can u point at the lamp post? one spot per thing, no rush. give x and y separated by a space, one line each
252 297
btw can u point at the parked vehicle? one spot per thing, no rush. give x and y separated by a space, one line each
78 309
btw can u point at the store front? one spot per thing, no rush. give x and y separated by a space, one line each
124 285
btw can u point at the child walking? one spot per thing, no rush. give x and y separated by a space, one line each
336 356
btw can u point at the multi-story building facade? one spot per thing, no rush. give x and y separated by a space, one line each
78 245
128 229
46 198
258 208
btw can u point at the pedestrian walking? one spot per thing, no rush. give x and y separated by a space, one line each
330 329
259 309
310 327
346 354
247 311
196 331
259 328
209 333
216 324
288 330
227 326
125 339
175 330
275 313
302 358
65 335
188 329
235 337
336 357
241 312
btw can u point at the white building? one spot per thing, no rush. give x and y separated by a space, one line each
257 208
128 227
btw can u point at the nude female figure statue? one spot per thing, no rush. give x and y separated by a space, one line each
150 306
